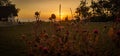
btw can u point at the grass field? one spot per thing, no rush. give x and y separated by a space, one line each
11 45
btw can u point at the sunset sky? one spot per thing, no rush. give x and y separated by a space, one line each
46 7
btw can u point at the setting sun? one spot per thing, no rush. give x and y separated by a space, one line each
63 15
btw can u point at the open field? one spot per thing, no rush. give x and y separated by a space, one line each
12 45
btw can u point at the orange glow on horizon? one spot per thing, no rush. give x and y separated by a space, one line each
46 7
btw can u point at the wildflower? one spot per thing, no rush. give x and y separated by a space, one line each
37 39
56 24
44 31
117 19
105 26
111 32
60 40
94 40
59 28
45 50
84 31
29 42
40 47
95 31
29 46
118 33
45 35
53 36
72 23
23 37
41 34
35 45
67 33
30 54
76 30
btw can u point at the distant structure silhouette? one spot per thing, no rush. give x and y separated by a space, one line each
71 13
60 12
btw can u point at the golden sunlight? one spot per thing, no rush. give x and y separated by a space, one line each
63 15
46 7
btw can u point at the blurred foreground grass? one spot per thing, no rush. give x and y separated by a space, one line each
11 45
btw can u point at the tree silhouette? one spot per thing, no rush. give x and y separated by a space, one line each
82 10
37 15
115 7
5 2
53 17
93 6
77 18
6 9
106 8
100 10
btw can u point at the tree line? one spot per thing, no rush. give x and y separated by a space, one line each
6 9
98 11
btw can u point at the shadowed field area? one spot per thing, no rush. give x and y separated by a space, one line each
10 43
